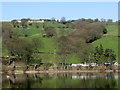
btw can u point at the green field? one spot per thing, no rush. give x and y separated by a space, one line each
34 31
112 29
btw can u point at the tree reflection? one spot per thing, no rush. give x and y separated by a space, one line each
62 80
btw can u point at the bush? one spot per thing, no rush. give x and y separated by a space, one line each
50 31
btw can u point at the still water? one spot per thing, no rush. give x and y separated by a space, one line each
61 80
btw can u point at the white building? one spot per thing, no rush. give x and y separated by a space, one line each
19 21
85 64
33 21
36 21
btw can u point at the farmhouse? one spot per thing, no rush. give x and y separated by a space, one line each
19 21
35 21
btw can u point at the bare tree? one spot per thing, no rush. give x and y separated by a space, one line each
109 20
63 20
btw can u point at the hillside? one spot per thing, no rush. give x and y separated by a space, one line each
36 30
111 39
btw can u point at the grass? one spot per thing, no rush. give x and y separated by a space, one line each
32 30
112 29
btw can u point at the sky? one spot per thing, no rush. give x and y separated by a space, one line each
70 10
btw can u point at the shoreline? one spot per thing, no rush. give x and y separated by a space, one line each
59 71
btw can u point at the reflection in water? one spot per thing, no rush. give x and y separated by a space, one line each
61 80
84 77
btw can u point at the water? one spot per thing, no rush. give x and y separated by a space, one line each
60 80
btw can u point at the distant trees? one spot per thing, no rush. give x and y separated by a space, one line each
64 44
78 43
96 20
53 19
15 46
30 24
64 48
85 53
82 19
62 30
24 23
37 44
104 31
89 20
7 32
103 20
106 20
80 24
88 32
102 55
110 55
70 25
86 20
15 23
109 20
24 50
25 33
50 31
37 25
7 35
70 46
63 20
19 48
